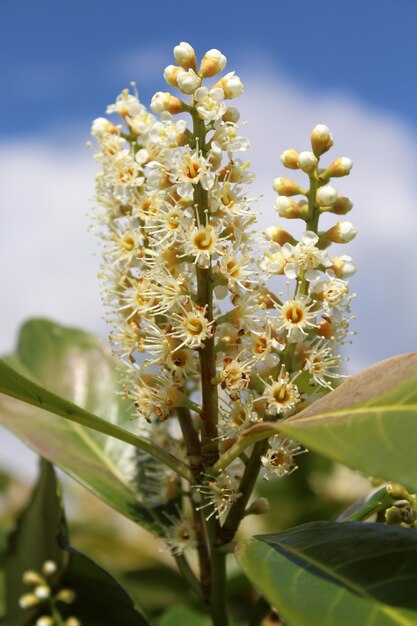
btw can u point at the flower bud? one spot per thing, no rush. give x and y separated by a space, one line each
397 492
325 329
343 266
258 507
212 63
288 208
45 620
321 139
165 101
278 235
66 595
171 73
326 195
289 159
393 516
339 167
188 81
43 592
231 85
101 126
231 115
342 205
286 187
342 232
72 621
49 568
28 600
30 577
185 56
307 161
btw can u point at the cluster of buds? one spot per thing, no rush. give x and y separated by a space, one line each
44 596
203 338
403 511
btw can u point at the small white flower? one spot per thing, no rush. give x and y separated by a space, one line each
296 318
188 81
231 85
281 395
279 459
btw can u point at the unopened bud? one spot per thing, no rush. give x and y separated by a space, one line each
326 329
342 205
326 195
185 56
43 592
288 208
66 595
258 507
289 158
286 187
188 81
212 63
343 266
45 620
278 235
231 84
393 516
397 492
321 139
307 161
72 621
231 115
339 167
49 568
342 232
101 126
28 600
171 73
165 101
30 577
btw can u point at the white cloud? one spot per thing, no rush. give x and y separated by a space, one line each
48 265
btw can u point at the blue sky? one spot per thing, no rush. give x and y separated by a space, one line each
61 58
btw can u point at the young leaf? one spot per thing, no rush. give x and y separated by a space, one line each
100 601
336 574
78 366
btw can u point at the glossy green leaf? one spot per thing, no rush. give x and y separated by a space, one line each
336 574
79 367
369 423
41 535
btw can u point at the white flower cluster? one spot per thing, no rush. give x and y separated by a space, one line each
178 237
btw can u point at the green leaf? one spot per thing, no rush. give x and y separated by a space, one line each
182 616
369 423
336 574
100 601
32 543
77 365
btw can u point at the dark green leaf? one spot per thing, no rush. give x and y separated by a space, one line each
337 574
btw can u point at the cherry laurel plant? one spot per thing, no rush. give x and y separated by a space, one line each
208 351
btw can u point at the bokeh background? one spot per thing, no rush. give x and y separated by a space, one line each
349 65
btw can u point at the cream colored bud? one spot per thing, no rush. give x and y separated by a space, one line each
307 161
185 56
278 235
288 208
188 81
72 621
171 73
43 592
165 101
28 600
289 158
101 126
342 232
397 492
231 115
231 84
49 568
343 266
339 167
286 187
30 577
321 139
66 595
342 205
212 63
326 195
45 620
